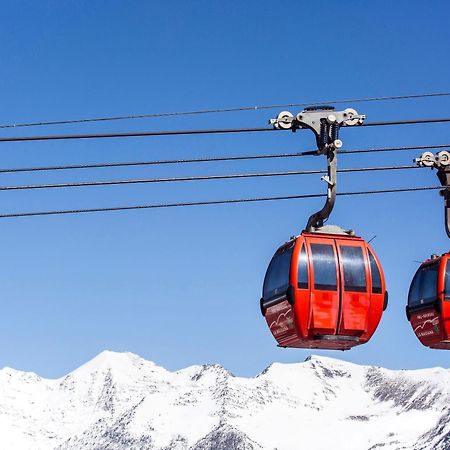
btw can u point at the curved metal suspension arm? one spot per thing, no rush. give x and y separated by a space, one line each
317 219
444 177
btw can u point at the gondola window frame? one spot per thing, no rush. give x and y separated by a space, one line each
354 267
322 263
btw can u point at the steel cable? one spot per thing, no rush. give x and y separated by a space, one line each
151 163
214 159
395 149
222 110
196 132
405 122
131 134
197 178
211 202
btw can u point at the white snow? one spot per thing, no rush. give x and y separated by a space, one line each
121 401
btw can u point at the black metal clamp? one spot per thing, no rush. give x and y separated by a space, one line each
441 162
325 122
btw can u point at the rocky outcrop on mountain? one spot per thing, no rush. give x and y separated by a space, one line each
120 401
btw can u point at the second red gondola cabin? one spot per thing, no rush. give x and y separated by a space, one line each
428 307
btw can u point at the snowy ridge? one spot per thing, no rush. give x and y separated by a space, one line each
120 401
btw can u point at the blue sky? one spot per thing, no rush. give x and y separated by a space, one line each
181 286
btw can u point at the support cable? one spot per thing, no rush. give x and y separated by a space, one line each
151 163
198 178
211 202
405 122
223 110
196 132
131 134
214 159
394 149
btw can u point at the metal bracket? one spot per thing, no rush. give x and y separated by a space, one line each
441 162
325 123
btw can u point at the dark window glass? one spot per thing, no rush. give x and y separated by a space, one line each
447 281
324 263
423 290
376 276
277 276
354 269
303 269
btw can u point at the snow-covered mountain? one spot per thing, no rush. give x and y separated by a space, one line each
121 401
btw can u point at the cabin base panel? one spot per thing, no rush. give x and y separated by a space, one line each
443 345
331 342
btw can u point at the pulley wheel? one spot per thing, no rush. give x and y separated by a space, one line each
427 159
444 158
284 120
350 121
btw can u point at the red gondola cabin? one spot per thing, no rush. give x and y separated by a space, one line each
324 291
428 307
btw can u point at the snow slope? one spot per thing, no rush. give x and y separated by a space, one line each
121 401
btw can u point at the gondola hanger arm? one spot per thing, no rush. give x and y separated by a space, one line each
325 123
441 162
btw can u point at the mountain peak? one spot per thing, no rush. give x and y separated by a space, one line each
312 361
112 357
329 361
109 359
334 363
8 373
197 372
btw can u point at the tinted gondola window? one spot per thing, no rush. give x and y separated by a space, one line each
423 290
354 269
303 269
447 281
376 276
277 276
324 264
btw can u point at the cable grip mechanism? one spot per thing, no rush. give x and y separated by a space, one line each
323 120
